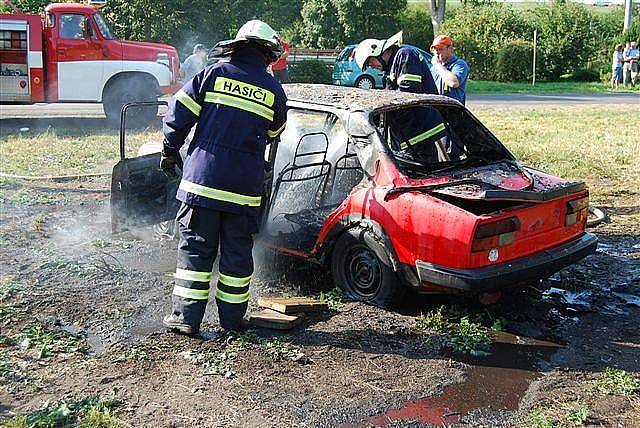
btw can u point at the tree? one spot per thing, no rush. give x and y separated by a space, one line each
331 23
437 10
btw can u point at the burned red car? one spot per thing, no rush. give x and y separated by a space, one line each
345 193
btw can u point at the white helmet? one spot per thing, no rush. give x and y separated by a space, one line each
253 32
374 47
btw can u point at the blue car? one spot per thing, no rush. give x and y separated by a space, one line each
347 73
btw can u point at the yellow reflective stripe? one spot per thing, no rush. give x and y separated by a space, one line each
421 137
188 102
220 195
235 102
410 78
234 281
192 275
277 132
232 298
244 90
190 293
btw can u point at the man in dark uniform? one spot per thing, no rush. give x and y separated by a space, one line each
413 130
238 108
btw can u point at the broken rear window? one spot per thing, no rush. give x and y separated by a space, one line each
424 140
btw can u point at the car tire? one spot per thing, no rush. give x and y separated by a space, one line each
361 266
127 90
365 82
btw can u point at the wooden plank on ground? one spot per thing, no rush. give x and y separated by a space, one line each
269 318
292 305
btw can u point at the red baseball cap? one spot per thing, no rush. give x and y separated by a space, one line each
442 41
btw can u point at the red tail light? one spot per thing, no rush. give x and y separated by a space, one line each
495 234
577 210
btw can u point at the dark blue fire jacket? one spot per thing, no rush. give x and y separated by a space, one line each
410 73
415 127
237 107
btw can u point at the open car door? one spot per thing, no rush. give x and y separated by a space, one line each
141 194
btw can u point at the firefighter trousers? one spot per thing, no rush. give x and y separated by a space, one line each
201 230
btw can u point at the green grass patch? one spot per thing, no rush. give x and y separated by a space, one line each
538 419
220 362
91 412
27 196
489 87
62 151
49 342
333 297
461 335
581 142
618 382
578 416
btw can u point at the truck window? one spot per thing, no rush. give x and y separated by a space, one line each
74 26
51 20
103 27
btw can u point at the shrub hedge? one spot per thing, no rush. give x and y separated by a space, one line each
310 71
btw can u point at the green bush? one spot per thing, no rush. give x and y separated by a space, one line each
585 75
310 71
514 61
478 32
565 39
416 24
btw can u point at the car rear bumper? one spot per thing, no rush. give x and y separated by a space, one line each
508 274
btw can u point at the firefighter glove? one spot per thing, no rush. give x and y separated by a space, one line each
169 161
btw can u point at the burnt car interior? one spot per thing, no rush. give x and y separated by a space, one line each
315 169
463 143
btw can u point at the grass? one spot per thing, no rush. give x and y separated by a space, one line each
220 362
581 142
488 87
519 6
618 382
90 412
49 342
333 297
62 151
462 335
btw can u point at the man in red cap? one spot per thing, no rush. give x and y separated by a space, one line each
449 72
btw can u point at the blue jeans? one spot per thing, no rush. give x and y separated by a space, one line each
616 74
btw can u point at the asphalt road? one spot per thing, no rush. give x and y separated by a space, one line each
71 110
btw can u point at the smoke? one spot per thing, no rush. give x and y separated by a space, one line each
309 176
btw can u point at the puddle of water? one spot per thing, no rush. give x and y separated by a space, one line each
496 382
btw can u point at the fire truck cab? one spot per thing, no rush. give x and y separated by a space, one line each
71 55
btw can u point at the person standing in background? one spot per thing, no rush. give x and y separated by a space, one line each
280 67
634 55
616 66
449 72
194 63
626 66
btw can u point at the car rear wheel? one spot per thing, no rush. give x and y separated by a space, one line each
360 265
365 82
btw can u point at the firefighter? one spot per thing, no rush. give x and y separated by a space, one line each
238 108
414 132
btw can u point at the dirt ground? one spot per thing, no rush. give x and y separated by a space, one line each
81 316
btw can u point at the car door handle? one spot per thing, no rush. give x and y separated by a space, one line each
62 51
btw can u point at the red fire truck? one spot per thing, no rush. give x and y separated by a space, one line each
71 55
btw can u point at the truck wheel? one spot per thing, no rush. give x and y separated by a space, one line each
361 267
129 90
